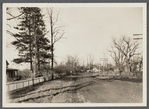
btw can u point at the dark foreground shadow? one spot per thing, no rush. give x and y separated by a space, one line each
68 89
23 91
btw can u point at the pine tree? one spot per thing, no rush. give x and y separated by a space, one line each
31 41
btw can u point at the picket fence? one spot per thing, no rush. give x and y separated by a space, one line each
23 83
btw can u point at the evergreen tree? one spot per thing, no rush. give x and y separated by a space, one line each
31 39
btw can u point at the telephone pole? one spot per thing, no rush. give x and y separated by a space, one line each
105 61
136 37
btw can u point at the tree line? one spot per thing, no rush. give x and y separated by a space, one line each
35 43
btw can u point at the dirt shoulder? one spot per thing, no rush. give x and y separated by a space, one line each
57 91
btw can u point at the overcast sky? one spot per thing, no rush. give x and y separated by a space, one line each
88 31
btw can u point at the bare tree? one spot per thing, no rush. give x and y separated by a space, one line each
118 58
123 50
90 60
72 63
57 31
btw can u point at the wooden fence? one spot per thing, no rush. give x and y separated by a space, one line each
23 83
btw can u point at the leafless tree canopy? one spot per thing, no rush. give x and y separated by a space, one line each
122 52
72 62
90 60
57 31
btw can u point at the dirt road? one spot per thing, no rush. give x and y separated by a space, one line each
111 91
80 89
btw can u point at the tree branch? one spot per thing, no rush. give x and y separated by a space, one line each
58 38
13 17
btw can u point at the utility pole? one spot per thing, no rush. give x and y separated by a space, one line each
138 37
87 61
105 60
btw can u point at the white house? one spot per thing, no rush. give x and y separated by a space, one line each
95 69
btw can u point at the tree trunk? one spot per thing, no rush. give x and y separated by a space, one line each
31 67
30 49
35 60
52 64
35 67
52 44
52 76
127 66
38 59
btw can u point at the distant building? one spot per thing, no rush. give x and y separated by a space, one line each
11 73
88 71
95 69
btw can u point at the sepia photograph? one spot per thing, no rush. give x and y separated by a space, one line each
74 54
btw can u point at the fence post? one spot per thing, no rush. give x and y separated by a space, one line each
22 83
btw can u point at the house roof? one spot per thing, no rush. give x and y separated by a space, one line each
8 69
7 62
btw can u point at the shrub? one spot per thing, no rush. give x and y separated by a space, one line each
60 70
24 74
139 74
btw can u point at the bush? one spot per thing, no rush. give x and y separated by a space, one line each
46 74
139 74
60 70
24 74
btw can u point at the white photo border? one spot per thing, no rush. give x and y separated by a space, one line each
143 5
